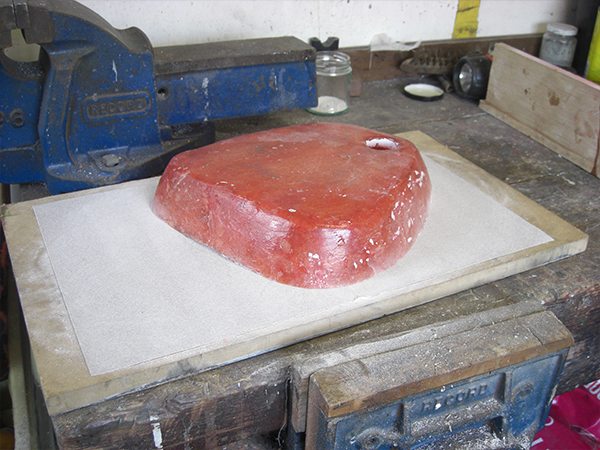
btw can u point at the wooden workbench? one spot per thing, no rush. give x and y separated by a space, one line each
249 398
569 288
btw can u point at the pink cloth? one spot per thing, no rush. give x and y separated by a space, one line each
573 422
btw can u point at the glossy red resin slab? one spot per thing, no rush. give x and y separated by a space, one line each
316 206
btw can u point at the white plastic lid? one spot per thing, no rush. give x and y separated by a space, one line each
562 28
423 92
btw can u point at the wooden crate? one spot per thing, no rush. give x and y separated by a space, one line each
559 109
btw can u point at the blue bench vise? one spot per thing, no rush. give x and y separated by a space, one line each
481 381
102 106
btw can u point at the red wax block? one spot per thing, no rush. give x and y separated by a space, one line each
316 206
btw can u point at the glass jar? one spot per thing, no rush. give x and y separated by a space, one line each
333 83
558 44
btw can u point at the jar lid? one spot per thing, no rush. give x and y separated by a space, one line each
424 92
562 28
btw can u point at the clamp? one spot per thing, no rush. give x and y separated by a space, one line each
102 106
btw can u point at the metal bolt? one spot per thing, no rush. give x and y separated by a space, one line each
110 160
2 118
162 93
370 443
524 392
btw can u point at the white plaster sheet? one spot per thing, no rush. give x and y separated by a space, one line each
136 290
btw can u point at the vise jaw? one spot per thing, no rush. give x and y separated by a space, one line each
102 106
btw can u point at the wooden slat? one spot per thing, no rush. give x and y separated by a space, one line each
365 382
553 106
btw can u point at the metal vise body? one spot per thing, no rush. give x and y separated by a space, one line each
101 106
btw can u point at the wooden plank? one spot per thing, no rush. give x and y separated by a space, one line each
553 106
208 411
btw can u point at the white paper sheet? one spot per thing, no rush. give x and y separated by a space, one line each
136 290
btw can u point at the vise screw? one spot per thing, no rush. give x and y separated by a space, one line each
102 106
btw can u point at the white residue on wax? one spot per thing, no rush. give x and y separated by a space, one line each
382 144
420 179
328 104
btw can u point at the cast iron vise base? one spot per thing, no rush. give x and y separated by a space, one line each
483 381
101 106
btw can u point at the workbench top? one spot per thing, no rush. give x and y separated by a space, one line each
250 396
569 288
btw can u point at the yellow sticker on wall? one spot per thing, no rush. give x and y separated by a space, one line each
466 22
592 67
